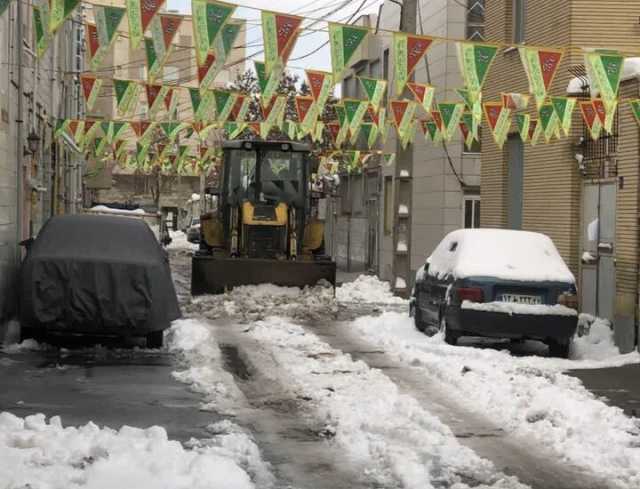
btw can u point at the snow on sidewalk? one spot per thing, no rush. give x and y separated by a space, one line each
528 396
38 454
378 427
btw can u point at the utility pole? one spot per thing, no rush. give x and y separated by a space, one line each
403 184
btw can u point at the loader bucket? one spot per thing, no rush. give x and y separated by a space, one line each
214 275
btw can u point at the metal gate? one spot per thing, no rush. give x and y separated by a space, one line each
598 271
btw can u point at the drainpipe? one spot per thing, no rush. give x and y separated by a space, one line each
19 132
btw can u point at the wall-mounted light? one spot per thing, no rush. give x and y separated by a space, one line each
33 142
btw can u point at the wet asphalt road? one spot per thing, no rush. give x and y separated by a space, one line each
109 387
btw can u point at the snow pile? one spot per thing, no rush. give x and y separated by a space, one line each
515 308
529 396
254 302
500 253
103 209
596 342
367 289
362 410
179 242
192 340
40 454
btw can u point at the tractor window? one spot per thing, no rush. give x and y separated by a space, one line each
282 175
242 174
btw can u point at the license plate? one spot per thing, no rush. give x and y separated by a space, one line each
520 299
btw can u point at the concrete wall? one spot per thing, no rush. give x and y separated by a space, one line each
47 93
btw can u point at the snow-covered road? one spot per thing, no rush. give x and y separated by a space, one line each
318 391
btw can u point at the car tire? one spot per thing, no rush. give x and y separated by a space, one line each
155 339
30 334
559 348
450 337
417 319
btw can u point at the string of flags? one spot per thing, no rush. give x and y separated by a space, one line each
411 106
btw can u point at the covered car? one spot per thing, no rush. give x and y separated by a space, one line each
500 284
96 275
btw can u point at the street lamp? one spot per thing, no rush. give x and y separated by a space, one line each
33 142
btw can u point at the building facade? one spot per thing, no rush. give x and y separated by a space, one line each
39 177
563 187
442 186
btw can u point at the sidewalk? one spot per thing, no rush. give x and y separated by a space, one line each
619 385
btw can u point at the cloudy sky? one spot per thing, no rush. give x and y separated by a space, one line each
303 55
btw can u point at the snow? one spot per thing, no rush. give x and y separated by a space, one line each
179 242
499 253
400 283
402 247
43 454
109 210
367 289
597 341
420 274
193 342
514 308
366 415
529 396
403 210
404 173
630 69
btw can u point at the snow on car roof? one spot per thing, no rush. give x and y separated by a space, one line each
499 253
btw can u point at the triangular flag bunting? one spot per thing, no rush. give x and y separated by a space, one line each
499 119
423 94
209 18
279 34
374 90
140 13
408 50
540 65
475 60
344 40
320 84
563 107
90 89
451 114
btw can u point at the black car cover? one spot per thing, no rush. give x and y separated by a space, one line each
97 274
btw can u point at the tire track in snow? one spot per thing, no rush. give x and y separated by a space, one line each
284 428
510 454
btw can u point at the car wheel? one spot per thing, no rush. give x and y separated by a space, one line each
559 348
155 339
450 337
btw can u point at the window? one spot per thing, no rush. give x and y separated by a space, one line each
374 69
471 211
347 90
388 205
515 173
519 13
475 20
385 64
358 92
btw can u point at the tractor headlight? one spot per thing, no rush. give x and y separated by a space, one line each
285 146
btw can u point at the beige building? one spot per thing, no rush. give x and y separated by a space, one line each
117 184
442 189
589 210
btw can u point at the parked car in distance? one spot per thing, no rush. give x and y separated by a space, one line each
193 231
499 284
96 275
